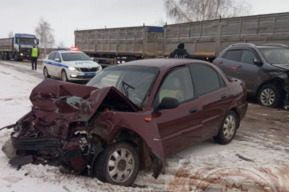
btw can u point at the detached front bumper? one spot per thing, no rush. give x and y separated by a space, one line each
35 144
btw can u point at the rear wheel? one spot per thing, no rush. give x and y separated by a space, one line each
64 76
16 57
117 164
228 129
45 73
270 96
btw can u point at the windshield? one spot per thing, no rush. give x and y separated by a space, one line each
134 82
26 41
276 55
75 56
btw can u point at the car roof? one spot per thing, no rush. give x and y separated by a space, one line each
162 63
267 45
273 46
68 51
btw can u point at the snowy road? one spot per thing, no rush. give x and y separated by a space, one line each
256 160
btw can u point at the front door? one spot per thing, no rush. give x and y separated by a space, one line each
179 127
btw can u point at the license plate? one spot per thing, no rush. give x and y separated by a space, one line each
89 74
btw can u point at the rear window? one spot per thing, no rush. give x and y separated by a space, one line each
206 79
52 56
75 56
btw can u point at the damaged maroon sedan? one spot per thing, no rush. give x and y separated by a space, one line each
128 117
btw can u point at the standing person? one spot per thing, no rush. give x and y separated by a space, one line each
34 57
180 52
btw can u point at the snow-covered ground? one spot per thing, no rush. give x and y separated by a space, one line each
256 160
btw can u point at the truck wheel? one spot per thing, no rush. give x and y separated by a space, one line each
270 96
45 73
7 57
228 129
117 164
16 57
64 76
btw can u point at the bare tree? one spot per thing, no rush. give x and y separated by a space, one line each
11 34
45 34
199 10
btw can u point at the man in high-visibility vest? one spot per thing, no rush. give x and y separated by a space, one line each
34 56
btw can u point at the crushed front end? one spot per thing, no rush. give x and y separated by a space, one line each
70 124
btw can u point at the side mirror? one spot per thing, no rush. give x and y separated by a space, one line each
57 60
92 58
167 103
257 62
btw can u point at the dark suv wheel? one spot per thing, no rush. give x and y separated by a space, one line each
270 96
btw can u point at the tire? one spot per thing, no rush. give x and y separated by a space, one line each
45 73
228 129
270 96
64 76
117 164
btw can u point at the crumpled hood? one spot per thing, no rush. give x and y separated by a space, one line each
55 100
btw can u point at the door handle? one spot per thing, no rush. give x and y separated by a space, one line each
223 97
193 110
220 62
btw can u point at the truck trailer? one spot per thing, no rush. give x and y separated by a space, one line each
202 39
206 39
18 47
114 45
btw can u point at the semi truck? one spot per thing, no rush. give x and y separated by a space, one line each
18 47
202 39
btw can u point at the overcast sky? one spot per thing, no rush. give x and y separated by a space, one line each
65 16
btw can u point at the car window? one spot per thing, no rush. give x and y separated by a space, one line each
177 84
75 56
234 55
248 57
205 78
57 56
52 56
276 55
134 82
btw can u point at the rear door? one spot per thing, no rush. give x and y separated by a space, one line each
213 96
49 63
57 67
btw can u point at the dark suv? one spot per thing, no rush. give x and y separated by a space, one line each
264 69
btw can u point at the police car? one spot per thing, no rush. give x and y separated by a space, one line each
70 65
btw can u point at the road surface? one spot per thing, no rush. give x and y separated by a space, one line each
256 160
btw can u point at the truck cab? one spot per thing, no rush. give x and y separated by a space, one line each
23 43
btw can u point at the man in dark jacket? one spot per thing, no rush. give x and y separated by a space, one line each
180 52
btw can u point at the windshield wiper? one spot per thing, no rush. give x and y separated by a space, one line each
125 86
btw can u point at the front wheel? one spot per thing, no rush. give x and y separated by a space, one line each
117 164
270 96
228 129
64 76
